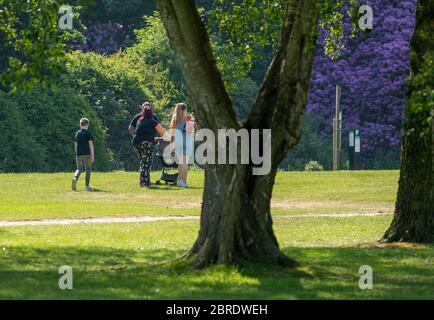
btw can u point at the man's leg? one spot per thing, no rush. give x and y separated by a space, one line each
80 169
88 165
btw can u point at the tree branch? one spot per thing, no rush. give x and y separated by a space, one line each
282 99
190 41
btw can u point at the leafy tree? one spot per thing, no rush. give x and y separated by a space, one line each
110 24
24 61
372 71
152 49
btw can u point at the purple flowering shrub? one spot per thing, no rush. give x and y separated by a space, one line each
372 73
103 38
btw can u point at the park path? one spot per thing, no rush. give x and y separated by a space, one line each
49 222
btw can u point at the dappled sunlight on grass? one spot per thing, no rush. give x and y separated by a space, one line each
138 261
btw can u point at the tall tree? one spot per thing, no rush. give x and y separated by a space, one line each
414 213
236 223
372 71
32 46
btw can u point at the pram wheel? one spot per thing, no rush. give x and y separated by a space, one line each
167 183
158 182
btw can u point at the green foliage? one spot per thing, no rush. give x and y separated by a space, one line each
153 50
246 26
122 9
333 15
244 97
421 105
311 146
19 149
41 124
32 48
115 87
313 166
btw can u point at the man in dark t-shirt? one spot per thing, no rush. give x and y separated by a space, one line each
85 154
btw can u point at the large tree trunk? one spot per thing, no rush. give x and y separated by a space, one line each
414 213
236 223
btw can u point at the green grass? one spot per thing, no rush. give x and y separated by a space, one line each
135 261
138 260
43 196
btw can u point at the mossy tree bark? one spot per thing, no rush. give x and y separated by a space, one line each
414 213
236 223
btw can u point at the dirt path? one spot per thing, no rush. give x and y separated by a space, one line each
166 218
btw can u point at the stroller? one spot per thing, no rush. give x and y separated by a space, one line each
167 162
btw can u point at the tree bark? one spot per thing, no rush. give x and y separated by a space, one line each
236 223
414 212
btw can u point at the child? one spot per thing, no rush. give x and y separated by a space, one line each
84 150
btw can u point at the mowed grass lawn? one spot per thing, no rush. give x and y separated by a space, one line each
44 196
138 260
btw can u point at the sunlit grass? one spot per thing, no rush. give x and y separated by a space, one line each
137 261
42 196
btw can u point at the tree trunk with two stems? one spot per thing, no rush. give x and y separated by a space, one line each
236 223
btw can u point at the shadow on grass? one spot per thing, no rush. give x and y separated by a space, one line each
101 273
100 190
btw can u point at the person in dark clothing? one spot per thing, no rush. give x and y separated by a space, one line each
133 123
85 154
143 140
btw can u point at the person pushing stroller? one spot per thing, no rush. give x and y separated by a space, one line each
143 140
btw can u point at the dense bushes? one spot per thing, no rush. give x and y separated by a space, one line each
109 88
38 130
19 150
116 87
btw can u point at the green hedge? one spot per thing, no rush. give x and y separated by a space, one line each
19 150
115 87
39 127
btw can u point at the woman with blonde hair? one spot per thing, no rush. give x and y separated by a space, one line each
181 135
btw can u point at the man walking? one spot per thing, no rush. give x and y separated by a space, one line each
84 150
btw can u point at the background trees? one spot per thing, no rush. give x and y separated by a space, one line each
38 129
372 70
